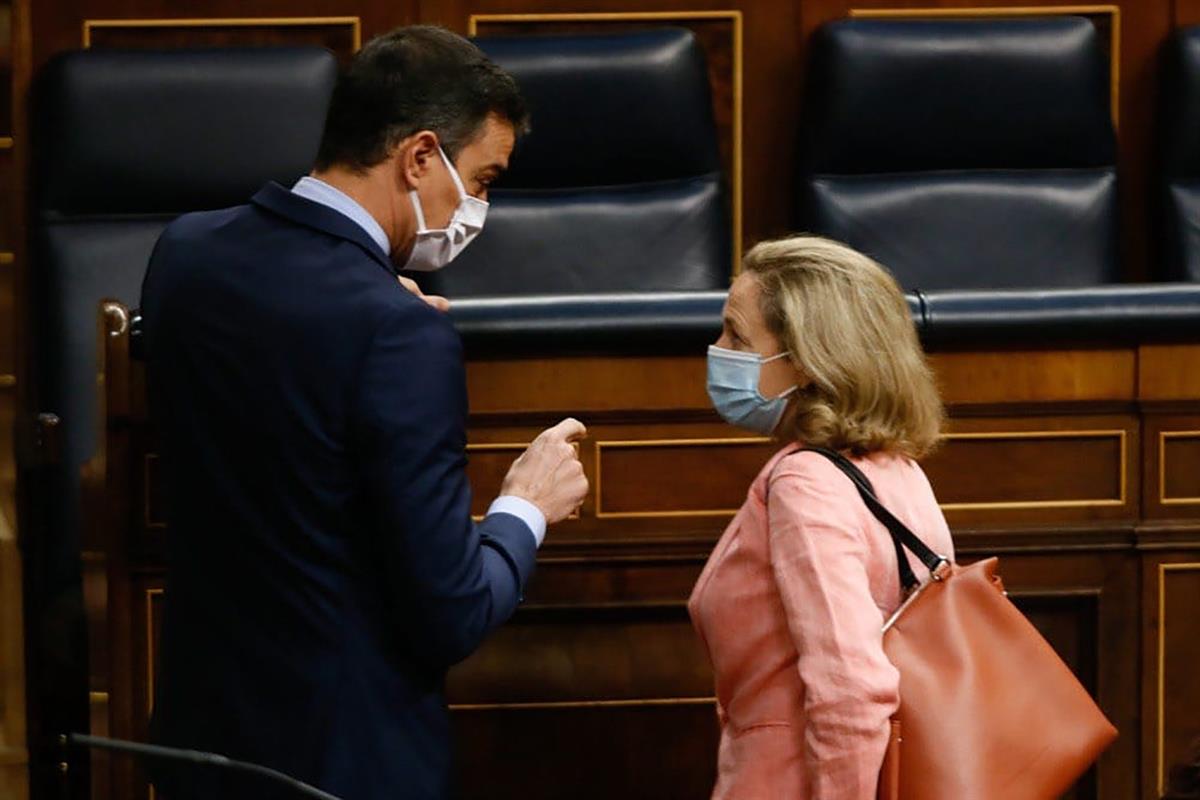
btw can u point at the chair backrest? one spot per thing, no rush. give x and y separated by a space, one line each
963 154
1179 154
126 141
618 187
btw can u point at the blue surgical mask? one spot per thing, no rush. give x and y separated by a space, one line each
733 388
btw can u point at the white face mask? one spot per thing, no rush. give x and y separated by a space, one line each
434 249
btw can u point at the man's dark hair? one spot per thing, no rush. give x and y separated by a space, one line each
412 79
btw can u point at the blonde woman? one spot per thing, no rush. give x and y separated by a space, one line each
817 349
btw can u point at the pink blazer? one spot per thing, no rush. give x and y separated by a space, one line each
791 608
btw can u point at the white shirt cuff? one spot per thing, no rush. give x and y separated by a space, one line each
523 510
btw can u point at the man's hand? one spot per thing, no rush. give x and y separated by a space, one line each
437 301
548 474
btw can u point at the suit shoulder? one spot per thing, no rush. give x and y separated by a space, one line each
197 225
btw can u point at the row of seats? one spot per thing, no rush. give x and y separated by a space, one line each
962 154
967 156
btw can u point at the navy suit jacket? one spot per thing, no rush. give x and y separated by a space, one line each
324 570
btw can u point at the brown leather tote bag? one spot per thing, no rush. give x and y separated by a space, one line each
988 711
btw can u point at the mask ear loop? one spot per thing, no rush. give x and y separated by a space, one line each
793 388
454 176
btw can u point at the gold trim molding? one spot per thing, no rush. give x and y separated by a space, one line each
6 142
355 24
7 258
554 705
1020 11
632 444
1163 569
731 15
1120 434
151 592
1163 436
510 447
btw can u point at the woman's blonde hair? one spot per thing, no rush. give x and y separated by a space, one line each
848 328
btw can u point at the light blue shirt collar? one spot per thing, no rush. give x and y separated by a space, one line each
319 191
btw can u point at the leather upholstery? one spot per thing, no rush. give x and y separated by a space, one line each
144 132
629 323
963 153
618 186
976 229
686 322
1128 312
123 142
1179 153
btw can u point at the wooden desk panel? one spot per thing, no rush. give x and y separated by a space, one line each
599 688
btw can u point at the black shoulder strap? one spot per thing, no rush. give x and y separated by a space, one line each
901 536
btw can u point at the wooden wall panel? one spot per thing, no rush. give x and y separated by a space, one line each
1171 693
670 748
1169 373
1001 469
342 35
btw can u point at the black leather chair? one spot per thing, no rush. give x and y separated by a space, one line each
125 141
1179 156
963 154
618 187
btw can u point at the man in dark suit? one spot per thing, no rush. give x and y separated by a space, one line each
324 569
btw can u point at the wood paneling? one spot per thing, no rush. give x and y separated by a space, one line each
342 35
528 752
8 231
1171 463
1171 693
1179 452
1169 372
992 470
1042 376
648 478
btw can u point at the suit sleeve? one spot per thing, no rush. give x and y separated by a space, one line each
451 581
819 560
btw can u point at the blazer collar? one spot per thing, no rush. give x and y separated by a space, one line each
303 211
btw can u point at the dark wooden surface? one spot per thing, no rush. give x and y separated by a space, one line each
599 687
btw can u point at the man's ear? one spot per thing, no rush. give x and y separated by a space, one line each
415 156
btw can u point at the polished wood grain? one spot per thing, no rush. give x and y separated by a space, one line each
1169 372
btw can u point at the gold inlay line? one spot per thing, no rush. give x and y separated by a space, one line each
151 593
636 443
1163 436
1117 433
355 24
553 705
1163 569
